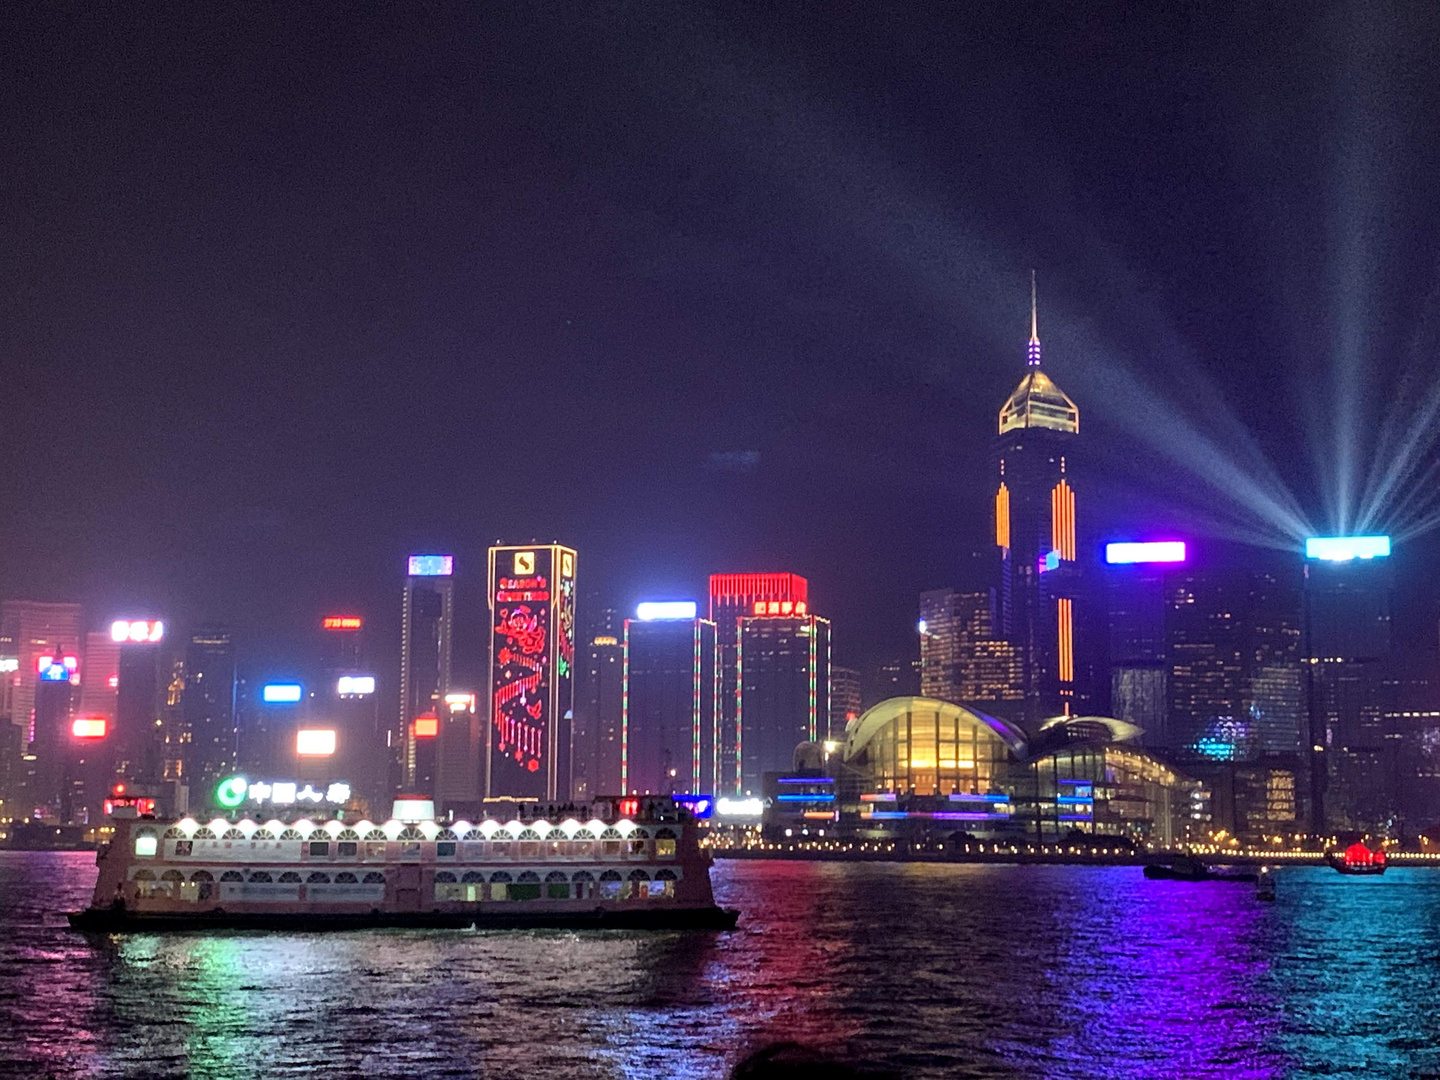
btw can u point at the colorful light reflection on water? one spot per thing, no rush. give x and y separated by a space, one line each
981 971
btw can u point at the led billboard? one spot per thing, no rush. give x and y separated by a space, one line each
432 565
89 727
137 630
315 742
281 693
666 609
532 655
57 668
1150 551
355 685
1345 548
342 622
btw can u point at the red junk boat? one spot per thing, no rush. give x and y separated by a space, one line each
1357 859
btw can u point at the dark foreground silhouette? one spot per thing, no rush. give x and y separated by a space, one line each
791 1061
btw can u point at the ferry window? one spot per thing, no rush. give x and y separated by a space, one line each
319 847
502 848
555 848
472 876
347 849
637 847
290 877
664 849
145 846
374 877
410 851
529 890
611 847
556 886
184 847
345 878
529 849
499 886
445 849
318 878
610 885
374 849
260 875
232 875
190 890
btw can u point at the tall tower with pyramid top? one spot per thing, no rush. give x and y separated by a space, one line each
1035 533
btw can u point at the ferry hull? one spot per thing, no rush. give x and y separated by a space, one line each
119 920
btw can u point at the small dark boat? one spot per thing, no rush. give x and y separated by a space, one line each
1189 868
1357 859
1265 884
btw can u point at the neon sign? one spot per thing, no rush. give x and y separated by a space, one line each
778 607
281 693
1346 548
88 727
342 622
1153 551
355 685
137 630
432 565
425 727
57 668
231 793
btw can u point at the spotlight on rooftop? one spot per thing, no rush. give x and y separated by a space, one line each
1347 548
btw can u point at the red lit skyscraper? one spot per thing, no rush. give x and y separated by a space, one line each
532 661
775 674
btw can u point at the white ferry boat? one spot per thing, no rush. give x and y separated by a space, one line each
593 869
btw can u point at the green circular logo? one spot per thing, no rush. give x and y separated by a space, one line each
231 793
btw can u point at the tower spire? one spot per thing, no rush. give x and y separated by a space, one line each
1033 352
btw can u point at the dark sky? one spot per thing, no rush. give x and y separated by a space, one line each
290 293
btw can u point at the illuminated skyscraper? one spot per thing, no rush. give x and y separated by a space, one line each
846 701
29 629
1347 640
733 598
532 659
599 702
207 708
1035 515
138 739
961 659
57 676
426 637
671 703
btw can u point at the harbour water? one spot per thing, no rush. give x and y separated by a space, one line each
932 970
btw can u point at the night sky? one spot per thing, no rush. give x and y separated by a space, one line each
289 294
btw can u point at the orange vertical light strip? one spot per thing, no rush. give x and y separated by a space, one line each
1062 520
1002 516
1055 517
1067 641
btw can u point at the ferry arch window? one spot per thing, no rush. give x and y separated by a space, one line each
260 875
526 887
346 878
232 875
317 878
610 885
290 877
500 886
374 877
557 886
584 884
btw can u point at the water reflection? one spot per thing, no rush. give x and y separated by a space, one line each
938 971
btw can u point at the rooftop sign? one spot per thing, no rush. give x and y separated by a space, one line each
1345 548
666 609
1151 551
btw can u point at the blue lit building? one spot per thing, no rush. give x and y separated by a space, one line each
670 740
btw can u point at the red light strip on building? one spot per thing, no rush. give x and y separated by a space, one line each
1065 613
